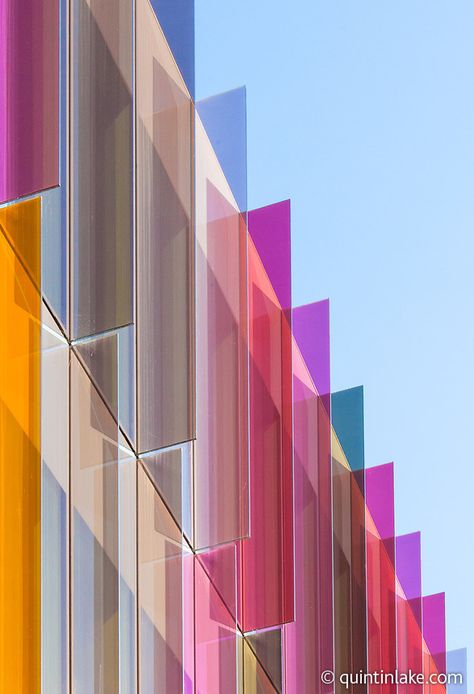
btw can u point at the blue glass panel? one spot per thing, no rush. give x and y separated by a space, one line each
224 117
348 421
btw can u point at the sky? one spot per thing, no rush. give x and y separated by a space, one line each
362 112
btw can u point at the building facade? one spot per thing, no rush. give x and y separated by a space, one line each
184 505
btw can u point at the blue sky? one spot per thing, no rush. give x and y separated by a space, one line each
362 112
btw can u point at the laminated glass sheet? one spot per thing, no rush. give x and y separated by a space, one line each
54 516
29 97
434 638
54 254
222 455
409 632
166 597
456 662
171 471
350 628
215 637
309 639
102 493
176 18
20 461
165 255
266 558
311 331
255 680
381 603
267 646
101 165
224 117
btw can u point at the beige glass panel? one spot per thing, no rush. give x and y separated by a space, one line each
102 165
165 259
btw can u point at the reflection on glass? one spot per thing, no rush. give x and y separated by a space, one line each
164 243
102 165
20 434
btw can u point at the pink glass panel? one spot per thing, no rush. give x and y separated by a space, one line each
266 558
29 97
381 605
434 636
309 639
215 638
221 474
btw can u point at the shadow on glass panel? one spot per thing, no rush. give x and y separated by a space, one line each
102 165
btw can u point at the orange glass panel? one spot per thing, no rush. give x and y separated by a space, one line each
20 461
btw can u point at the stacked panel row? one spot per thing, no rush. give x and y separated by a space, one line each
184 504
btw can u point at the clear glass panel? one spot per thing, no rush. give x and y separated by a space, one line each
54 254
165 258
102 165
166 617
127 481
95 538
221 473
54 514
171 472
29 97
20 453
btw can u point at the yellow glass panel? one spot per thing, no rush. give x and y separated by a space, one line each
255 680
20 462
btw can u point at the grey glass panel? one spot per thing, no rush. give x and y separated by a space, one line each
164 243
102 165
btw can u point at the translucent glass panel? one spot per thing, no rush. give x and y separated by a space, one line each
347 414
166 597
381 603
409 632
267 646
309 639
54 515
177 20
103 511
221 463
434 637
109 362
224 117
311 331
255 679
20 462
29 97
102 165
456 661
266 558
165 257
54 254
171 471
350 605
215 638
